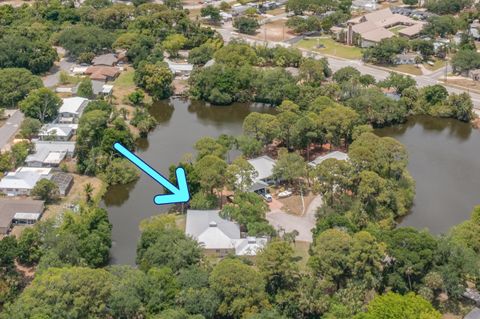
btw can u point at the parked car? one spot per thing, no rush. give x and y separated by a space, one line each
285 194
267 197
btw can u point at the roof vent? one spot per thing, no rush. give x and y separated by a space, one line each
212 224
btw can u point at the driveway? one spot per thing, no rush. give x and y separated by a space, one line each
10 128
303 224
53 78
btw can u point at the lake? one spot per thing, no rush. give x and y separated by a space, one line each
444 161
181 124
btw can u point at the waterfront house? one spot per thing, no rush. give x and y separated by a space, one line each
341 156
50 153
218 236
72 109
19 211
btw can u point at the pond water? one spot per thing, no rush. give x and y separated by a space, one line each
444 161
181 124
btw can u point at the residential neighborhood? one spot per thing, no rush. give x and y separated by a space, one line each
239 159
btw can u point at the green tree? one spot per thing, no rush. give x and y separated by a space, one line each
120 171
156 79
85 88
20 152
346 74
391 305
84 39
41 104
278 266
212 13
398 81
15 85
241 175
211 171
46 190
247 25
30 127
338 123
173 43
238 297
64 293
209 146
262 127
290 167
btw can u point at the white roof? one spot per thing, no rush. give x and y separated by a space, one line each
54 157
263 165
341 156
250 246
21 180
61 130
38 170
27 216
73 105
107 88
44 148
179 67
212 231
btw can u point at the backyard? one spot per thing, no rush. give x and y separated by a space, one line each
331 47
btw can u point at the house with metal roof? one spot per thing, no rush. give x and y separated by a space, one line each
57 132
109 59
341 156
183 69
72 109
19 211
21 182
263 165
219 236
50 153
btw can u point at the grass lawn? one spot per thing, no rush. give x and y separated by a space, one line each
125 80
396 29
437 64
301 250
406 68
331 47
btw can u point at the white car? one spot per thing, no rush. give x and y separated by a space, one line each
267 197
285 194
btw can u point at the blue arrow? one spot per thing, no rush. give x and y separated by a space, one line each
179 194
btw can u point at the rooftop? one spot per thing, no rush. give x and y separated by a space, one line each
61 130
474 314
263 165
209 229
73 105
10 207
108 59
21 180
50 151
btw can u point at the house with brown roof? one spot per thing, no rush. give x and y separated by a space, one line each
109 59
24 211
371 28
102 73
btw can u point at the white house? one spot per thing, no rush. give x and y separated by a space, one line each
341 156
22 181
57 132
50 153
219 236
72 109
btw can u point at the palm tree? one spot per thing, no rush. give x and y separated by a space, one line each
88 189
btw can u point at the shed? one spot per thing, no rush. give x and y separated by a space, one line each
64 182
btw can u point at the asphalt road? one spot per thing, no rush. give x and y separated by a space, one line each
10 128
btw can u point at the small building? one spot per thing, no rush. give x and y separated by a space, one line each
21 182
263 165
341 156
99 88
72 109
50 153
182 69
407 58
226 16
63 181
220 237
109 59
474 314
57 132
19 211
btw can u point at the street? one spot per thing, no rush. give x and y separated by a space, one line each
10 128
